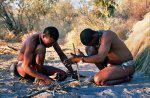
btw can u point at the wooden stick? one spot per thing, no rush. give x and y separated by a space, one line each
76 63
47 88
12 48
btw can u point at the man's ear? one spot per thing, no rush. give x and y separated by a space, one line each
46 36
43 35
95 36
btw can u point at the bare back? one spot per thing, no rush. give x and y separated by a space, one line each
118 52
32 39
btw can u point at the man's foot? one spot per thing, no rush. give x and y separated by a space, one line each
14 73
118 81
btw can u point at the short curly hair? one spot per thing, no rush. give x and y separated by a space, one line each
86 36
52 32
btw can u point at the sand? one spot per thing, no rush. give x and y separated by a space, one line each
139 87
11 87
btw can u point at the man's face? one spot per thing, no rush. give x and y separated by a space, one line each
93 42
48 41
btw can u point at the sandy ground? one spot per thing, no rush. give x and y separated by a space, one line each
10 87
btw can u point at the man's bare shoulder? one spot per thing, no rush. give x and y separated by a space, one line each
31 42
108 35
32 39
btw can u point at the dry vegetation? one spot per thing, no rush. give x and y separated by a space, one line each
139 44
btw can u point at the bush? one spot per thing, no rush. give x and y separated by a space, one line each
139 44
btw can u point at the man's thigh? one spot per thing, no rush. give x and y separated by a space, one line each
90 50
115 72
50 70
103 64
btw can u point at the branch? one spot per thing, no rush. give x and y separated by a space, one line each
12 48
45 89
76 63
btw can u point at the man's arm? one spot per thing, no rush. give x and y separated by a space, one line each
59 52
27 62
62 56
102 52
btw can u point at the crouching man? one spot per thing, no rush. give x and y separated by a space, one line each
32 55
109 54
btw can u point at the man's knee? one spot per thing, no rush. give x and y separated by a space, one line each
91 50
100 79
40 54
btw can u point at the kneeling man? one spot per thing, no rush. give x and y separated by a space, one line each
32 55
109 54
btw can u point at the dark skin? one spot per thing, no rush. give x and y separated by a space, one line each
32 65
116 52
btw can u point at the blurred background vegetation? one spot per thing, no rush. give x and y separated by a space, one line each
19 17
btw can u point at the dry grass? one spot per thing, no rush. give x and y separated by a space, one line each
139 44
7 35
73 37
140 37
25 36
137 8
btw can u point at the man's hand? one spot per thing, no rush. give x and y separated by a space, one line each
76 58
80 53
44 81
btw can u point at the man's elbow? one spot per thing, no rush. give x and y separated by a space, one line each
27 69
100 59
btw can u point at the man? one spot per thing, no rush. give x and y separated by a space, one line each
32 55
109 54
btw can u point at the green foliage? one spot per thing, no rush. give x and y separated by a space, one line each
96 14
26 15
105 8
62 15
1 11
